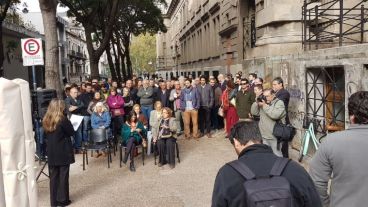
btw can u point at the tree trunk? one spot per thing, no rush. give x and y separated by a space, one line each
128 61
95 74
122 58
52 72
117 63
1 51
123 66
111 63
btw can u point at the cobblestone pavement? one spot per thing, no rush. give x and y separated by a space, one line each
190 183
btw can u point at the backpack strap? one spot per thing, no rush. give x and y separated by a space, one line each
242 169
279 166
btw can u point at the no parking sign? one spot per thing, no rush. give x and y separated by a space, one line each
32 52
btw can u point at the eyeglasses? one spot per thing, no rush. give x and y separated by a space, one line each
243 83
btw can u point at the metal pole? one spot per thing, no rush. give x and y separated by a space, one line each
34 78
341 21
304 28
317 27
362 21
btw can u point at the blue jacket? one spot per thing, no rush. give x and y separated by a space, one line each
98 121
195 98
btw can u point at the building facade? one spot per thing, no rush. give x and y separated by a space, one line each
78 67
13 62
318 47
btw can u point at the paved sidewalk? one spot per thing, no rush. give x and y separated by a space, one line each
190 183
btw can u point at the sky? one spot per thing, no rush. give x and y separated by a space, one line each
33 6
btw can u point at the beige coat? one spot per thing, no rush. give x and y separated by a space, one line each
269 114
172 125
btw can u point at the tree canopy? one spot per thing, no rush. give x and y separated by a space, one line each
143 52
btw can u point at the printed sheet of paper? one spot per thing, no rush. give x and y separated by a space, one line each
76 121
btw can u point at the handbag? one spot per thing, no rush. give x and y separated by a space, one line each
220 112
283 132
116 112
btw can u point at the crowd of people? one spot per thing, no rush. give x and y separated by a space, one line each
158 111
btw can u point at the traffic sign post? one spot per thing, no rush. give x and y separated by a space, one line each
32 54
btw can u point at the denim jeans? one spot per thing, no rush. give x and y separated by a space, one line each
146 110
86 127
40 138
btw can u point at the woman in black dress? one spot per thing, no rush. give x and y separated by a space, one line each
58 130
165 135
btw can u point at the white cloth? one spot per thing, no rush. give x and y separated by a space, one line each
2 193
76 120
17 144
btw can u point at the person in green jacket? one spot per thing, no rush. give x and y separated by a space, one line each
132 134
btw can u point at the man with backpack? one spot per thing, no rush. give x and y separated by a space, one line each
259 177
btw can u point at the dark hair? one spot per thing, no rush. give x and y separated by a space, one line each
261 79
230 84
204 77
245 131
253 74
259 86
74 85
113 89
88 84
244 79
130 115
279 80
358 106
67 89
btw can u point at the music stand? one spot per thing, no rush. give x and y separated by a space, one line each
42 168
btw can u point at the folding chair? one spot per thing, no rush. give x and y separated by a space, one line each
99 140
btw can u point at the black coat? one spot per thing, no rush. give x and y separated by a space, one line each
133 95
229 191
59 145
284 96
85 98
164 98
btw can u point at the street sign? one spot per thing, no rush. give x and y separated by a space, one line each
32 52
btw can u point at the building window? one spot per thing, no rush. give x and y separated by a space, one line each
325 98
259 5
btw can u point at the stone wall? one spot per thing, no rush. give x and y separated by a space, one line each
292 68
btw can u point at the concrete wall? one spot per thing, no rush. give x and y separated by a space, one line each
292 68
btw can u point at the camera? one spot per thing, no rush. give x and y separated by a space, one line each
261 98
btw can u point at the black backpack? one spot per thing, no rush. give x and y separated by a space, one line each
269 191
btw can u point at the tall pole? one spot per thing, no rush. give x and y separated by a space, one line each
34 78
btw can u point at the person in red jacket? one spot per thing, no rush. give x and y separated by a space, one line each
116 105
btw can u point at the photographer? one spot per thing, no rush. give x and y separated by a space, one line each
270 109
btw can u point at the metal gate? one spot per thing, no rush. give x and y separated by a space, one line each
325 98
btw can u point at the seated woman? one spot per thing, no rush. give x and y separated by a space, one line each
140 115
164 135
132 133
101 119
155 115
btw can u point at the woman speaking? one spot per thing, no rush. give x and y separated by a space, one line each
58 131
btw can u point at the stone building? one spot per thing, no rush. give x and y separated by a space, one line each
78 67
318 47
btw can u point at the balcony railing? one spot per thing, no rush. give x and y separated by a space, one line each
331 24
76 54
